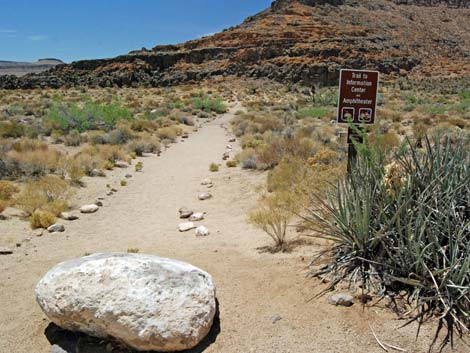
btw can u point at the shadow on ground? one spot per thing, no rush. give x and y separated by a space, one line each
65 341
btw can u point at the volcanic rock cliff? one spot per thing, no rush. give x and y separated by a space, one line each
297 41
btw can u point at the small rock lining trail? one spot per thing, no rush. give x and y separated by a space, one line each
264 299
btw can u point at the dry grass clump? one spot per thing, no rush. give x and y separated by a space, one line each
169 133
146 143
214 167
41 219
31 159
49 193
7 190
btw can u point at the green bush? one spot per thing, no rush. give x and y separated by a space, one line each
209 105
315 112
92 116
404 228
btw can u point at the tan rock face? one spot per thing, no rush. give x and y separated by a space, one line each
146 302
295 41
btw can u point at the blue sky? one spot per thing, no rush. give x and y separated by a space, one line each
87 29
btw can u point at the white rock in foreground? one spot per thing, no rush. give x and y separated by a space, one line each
146 302
89 208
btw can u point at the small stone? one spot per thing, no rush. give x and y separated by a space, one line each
233 139
128 176
68 216
202 231
56 228
342 299
89 209
206 181
99 203
185 213
185 135
275 318
114 190
229 147
196 217
226 156
5 251
204 196
121 165
184 227
109 193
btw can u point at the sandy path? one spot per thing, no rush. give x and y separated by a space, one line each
252 287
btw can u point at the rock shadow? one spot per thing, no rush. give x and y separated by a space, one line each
64 341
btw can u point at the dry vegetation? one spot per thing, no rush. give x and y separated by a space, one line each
398 225
51 139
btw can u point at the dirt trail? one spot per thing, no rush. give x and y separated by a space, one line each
252 288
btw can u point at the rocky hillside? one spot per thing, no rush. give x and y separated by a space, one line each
23 68
298 41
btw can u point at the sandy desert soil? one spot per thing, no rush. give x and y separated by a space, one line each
252 287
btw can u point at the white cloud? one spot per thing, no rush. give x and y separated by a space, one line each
37 37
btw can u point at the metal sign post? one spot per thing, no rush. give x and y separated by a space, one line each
357 104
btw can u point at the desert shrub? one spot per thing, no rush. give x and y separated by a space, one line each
272 215
9 129
7 190
49 193
232 164
26 144
32 163
91 116
247 158
404 227
139 166
326 97
214 167
119 136
386 143
41 219
144 125
169 133
97 137
123 182
209 105
73 138
145 144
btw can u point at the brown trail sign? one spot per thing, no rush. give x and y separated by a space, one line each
358 96
357 103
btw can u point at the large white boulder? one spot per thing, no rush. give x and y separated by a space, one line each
146 302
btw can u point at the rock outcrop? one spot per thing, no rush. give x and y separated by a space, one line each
146 302
294 41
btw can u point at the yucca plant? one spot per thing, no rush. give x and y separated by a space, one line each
403 226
